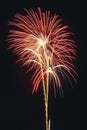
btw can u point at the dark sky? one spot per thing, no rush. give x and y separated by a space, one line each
19 109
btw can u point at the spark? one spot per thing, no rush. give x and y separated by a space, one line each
41 41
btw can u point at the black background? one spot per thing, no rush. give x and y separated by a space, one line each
19 109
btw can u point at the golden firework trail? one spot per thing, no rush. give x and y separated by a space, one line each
41 41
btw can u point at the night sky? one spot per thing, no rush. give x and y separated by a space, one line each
19 109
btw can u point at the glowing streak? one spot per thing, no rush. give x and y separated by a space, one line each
35 53
59 66
26 62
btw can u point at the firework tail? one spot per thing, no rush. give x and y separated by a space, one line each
45 91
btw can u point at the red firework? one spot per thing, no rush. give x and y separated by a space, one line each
41 41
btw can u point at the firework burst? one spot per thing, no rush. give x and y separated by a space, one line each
41 41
